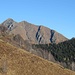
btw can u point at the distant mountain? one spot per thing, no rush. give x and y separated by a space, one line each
33 33
16 61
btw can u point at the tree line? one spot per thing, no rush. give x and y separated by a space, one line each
62 52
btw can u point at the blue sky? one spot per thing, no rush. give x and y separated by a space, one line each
55 14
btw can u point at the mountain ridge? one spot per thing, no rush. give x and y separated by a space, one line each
33 33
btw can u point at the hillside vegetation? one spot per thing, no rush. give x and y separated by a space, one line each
62 52
14 61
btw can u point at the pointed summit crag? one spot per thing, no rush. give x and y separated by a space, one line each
9 23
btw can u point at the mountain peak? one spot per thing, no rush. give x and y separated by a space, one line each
9 23
35 34
9 19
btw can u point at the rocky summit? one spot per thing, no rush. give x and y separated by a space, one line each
33 33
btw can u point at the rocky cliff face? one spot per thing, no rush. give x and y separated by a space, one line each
34 34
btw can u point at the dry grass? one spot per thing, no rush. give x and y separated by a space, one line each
14 61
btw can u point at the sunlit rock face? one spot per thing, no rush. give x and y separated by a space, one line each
33 33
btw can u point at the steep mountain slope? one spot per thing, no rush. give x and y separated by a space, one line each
34 34
14 61
63 52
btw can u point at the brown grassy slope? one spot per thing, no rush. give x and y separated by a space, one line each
14 61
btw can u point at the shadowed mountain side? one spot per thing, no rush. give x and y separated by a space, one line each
15 61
